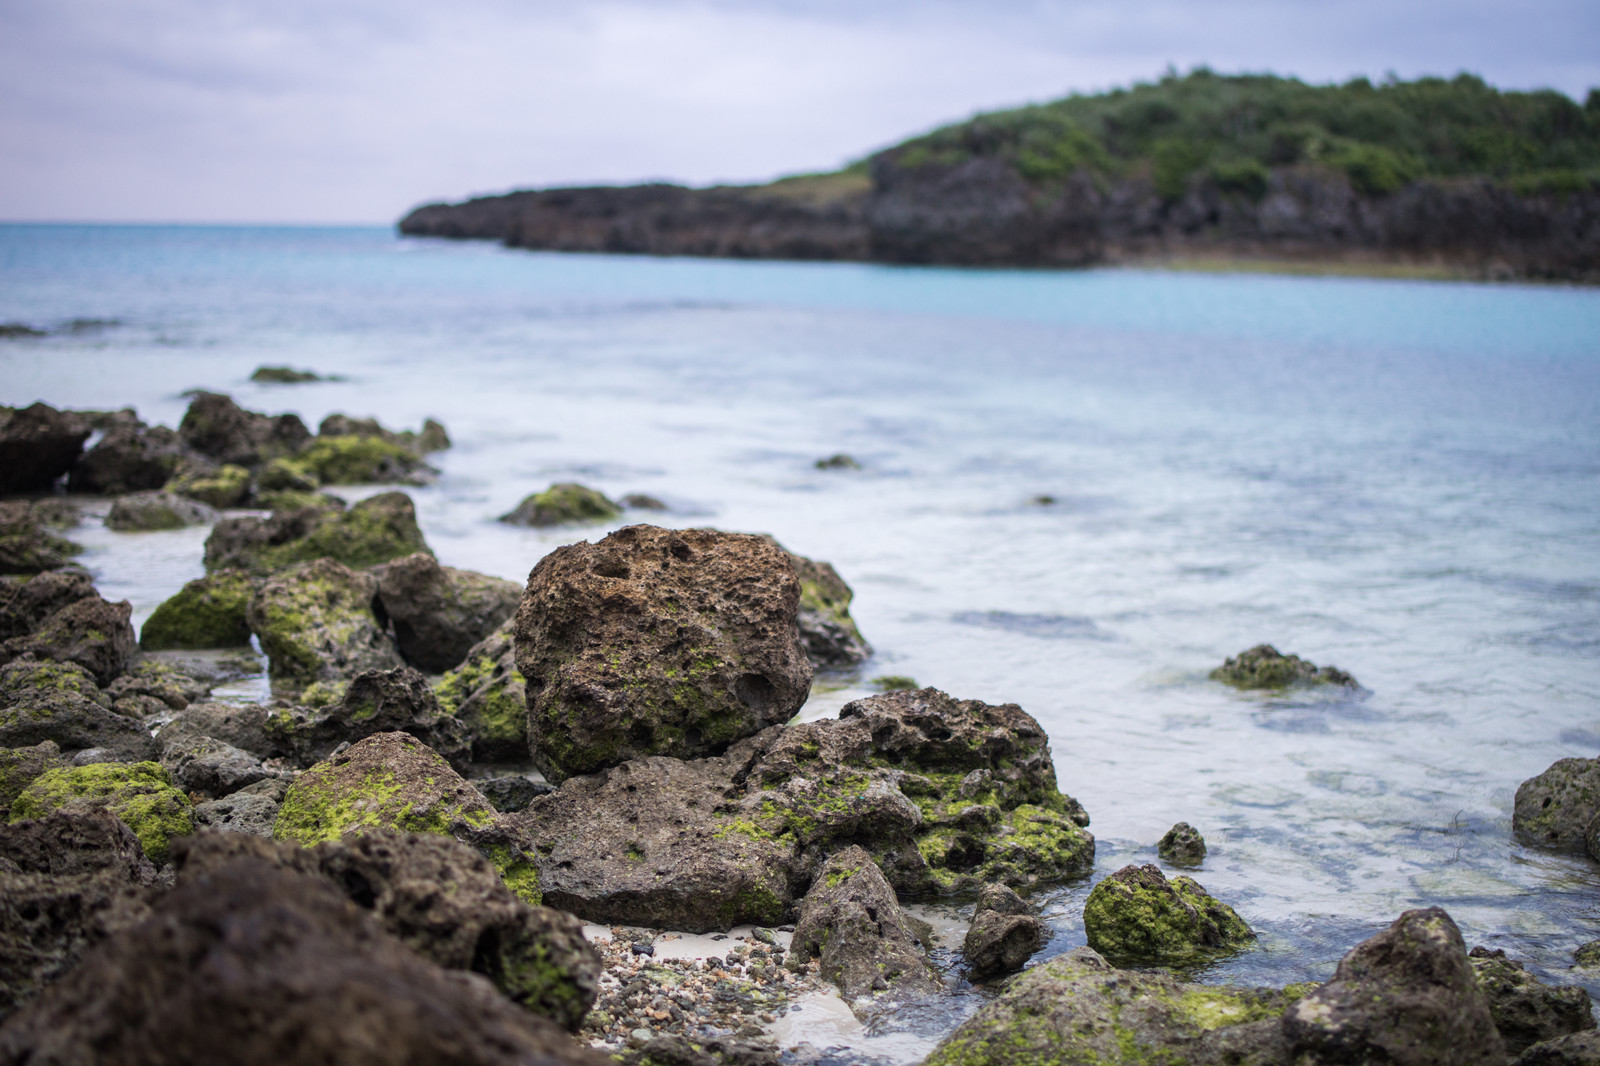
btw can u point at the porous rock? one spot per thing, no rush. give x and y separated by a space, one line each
208 612
489 695
209 766
375 701
130 457
274 966
657 642
373 531
1406 996
26 603
20 766
864 942
26 546
832 640
241 812
92 632
140 794
1264 667
361 460
1575 1049
67 881
702 1050
439 612
1182 846
1525 1010
1078 1008
217 427
1003 936
566 504
144 511
227 486
38 444
1139 915
315 622
41 700
1555 808
242 725
535 955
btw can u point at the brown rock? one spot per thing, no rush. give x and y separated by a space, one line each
1003 935
38 444
315 622
25 604
439 612
130 457
866 943
92 632
217 427
376 701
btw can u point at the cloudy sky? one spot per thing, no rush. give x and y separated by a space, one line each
355 110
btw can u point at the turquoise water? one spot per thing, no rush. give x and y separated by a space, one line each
1399 478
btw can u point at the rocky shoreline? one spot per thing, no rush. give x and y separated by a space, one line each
395 858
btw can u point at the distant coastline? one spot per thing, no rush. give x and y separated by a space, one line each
1434 178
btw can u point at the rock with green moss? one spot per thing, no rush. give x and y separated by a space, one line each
208 612
141 794
220 429
866 945
831 638
1587 956
535 955
375 530
1264 667
19 767
1554 809
363 460
1574 1049
227 486
315 622
284 375
394 781
657 641
43 701
92 632
26 602
488 694
1003 935
26 546
1406 995
139 512
1182 845
1077 1008
564 504
284 475
1137 915
1525 1010
439 612
375 701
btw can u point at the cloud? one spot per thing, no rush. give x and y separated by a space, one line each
356 109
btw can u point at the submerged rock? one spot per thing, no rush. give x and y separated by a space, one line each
208 612
865 943
228 486
841 461
26 546
220 429
1526 1011
1077 1008
489 695
656 641
38 445
315 623
1555 808
1407 995
92 632
375 530
1138 915
290 971
141 794
376 701
439 612
566 504
1263 666
284 375
67 881
1003 935
1182 846
143 511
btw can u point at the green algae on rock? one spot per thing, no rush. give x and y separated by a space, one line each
227 486
92 632
208 612
150 511
1264 667
1182 846
832 639
20 767
564 504
1136 914
489 695
26 547
374 701
1555 808
362 460
1525 1010
375 530
141 794
315 623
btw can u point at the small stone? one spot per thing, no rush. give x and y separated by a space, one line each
1182 846
644 949
839 461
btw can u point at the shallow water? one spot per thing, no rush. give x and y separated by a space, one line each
1402 479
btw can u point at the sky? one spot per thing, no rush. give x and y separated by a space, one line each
357 110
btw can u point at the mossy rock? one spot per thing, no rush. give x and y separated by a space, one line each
376 530
1554 809
20 767
141 794
315 623
287 475
1138 915
1264 667
1182 845
139 512
565 504
487 693
206 613
26 547
283 375
361 460
226 487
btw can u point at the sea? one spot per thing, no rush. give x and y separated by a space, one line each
1078 492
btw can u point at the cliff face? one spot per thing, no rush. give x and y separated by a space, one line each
982 212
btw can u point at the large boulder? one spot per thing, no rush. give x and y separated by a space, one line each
140 794
67 881
439 612
657 642
566 504
208 612
1407 996
1264 667
375 530
145 511
1003 936
535 955
1525 1010
947 795
129 457
26 603
1555 808
264 966
92 632
489 695
1137 915
829 633
220 429
26 546
1077 1008
864 942
38 444
393 781
376 701
316 623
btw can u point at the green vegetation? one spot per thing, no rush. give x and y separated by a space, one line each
141 794
285 375
205 613
227 487
1235 128
564 504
